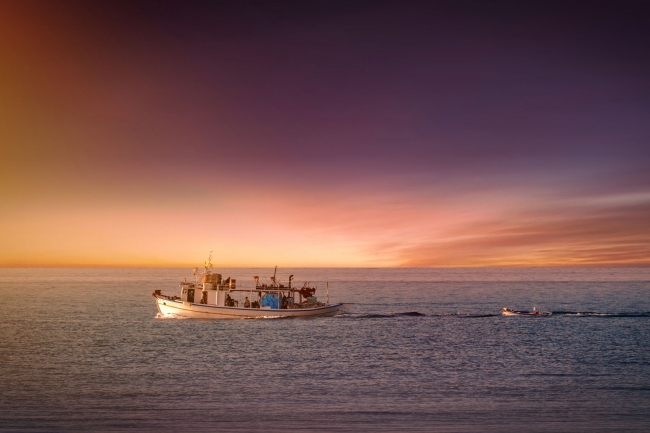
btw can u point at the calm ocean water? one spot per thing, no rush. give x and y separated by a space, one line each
422 350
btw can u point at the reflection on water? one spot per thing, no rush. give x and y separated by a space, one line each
420 350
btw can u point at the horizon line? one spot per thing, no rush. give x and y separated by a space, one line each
510 266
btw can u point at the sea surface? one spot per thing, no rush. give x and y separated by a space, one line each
422 350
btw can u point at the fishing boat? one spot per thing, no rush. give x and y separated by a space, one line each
214 297
535 312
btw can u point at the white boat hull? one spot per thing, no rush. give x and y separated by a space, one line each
201 311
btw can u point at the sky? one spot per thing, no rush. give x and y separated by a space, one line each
324 133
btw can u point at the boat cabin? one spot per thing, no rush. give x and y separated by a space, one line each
211 291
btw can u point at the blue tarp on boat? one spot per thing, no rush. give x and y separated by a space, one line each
270 300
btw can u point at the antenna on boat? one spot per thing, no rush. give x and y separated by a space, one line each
274 274
208 264
327 289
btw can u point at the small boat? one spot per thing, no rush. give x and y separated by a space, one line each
535 312
215 297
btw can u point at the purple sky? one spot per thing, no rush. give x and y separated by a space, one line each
402 117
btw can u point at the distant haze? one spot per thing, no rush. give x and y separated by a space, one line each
324 133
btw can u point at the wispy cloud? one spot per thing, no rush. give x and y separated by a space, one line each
581 235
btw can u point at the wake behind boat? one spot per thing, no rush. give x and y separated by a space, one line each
217 298
535 312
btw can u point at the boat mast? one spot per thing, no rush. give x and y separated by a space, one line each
208 264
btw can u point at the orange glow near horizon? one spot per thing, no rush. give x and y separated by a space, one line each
371 230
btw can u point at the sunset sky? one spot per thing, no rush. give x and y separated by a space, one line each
362 133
